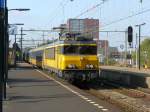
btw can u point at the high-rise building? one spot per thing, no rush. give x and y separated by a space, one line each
87 27
92 27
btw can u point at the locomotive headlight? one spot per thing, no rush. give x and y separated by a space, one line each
87 66
71 66
91 66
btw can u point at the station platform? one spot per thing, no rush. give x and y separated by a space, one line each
132 77
32 90
127 69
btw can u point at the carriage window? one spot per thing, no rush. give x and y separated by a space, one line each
36 53
50 53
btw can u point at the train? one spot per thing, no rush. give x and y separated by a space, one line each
73 60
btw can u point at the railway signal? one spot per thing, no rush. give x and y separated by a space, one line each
130 35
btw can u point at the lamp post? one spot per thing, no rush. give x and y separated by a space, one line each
136 50
19 9
15 24
5 44
139 26
2 40
6 48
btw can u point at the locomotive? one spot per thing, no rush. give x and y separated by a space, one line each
73 60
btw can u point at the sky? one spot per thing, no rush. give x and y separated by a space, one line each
46 14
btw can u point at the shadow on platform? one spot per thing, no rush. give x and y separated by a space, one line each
27 80
33 99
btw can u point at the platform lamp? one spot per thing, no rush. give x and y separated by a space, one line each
19 9
2 50
6 41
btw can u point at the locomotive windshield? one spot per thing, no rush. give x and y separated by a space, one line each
83 50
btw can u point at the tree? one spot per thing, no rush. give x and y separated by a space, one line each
145 53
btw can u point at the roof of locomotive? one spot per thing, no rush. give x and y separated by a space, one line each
73 42
63 42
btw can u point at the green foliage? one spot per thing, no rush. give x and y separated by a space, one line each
110 61
145 53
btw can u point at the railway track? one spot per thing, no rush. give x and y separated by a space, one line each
135 93
128 99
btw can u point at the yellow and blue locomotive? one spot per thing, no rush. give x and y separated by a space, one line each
70 59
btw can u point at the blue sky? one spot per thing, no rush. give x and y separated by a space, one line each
46 14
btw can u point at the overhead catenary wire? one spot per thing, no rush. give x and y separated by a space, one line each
91 8
110 23
127 17
117 21
64 2
61 4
